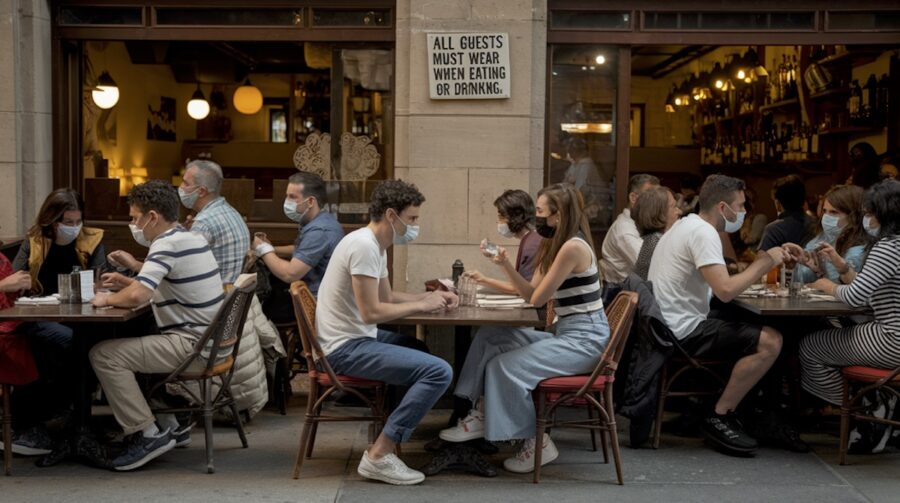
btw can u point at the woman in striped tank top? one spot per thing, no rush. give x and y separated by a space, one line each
504 365
873 344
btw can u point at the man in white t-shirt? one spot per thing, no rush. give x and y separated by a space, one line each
355 296
687 268
622 244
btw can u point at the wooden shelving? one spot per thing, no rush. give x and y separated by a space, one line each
850 130
783 105
830 93
855 58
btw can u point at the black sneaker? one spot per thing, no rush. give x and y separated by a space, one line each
182 436
34 441
727 433
139 450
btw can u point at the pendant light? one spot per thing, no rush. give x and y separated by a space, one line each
198 107
106 93
247 99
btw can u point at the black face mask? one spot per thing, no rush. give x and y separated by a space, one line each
543 229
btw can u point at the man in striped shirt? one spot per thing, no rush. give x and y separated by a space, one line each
180 277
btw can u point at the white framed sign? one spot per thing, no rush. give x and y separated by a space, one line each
468 66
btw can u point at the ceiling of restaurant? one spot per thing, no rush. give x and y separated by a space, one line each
654 61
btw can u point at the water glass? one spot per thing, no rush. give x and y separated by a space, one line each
64 286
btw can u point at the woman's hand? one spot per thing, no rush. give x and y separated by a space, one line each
827 252
474 276
16 282
501 258
825 285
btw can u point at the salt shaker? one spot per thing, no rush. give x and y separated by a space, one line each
458 269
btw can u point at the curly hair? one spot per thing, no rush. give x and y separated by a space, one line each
393 194
517 207
55 206
158 196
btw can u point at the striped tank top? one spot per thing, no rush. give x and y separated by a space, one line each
580 292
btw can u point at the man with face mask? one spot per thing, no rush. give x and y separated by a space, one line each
216 220
318 233
687 268
181 278
356 295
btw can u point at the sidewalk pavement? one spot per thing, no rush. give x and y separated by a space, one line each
681 470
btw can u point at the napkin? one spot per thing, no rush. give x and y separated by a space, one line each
50 300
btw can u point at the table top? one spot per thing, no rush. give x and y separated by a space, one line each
72 313
476 316
787 306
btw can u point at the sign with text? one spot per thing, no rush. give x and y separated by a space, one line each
468 66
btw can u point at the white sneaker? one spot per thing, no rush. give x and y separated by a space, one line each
523 461
389 469
468 428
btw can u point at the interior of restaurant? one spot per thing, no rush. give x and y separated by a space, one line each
756 112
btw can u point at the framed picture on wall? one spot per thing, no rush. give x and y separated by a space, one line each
161 120
277 125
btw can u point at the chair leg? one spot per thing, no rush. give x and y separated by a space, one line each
304 439
845 422
660 405
312 438
7 431
239 424
539 435
603 433
590 411
613 434
206 389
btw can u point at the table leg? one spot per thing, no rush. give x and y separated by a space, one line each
462 339
420 332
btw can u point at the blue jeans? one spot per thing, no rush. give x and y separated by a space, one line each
427 377
51 345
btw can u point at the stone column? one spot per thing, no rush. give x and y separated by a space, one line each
463 154
26 145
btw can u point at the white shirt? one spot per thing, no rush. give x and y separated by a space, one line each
337 315
620 248
681 291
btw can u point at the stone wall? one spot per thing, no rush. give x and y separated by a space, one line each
26 143
462 154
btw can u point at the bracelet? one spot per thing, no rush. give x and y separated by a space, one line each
264 248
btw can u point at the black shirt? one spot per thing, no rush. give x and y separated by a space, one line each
791 227
60 260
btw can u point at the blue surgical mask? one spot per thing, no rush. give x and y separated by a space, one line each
65 234
412 232
867 225
188 199
503 230
831 226
290 211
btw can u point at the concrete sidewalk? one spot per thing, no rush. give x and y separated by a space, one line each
681 470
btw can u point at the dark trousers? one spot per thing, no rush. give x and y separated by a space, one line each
51 345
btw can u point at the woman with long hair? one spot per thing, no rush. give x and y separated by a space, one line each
505 365
872 344
58 241
836 252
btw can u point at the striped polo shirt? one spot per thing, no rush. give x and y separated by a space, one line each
579 292
184 276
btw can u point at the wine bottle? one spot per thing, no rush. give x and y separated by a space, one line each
881 100
853 103
867 105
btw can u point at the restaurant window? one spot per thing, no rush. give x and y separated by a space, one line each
580 20
867 21
100 16
228 17
729 21
351 17
271 108
581 126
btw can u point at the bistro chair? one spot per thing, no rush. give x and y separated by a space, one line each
323 381
873 379
680 364
556 391
225 334
17 368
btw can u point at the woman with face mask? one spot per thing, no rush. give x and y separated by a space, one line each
504 365
837 251
515 219
58 241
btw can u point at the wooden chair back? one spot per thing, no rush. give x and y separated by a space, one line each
620 315
305 311
239 192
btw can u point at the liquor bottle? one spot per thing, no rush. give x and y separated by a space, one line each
795 144
774 82
794 77
867 105
804 141
854 102
814 141
881 100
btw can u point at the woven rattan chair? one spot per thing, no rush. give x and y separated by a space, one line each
594 389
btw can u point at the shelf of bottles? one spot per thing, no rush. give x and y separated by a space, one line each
312 105
775 120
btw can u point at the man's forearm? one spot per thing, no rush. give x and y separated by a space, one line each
403 297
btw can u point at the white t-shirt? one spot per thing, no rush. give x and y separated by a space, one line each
620 249
337 315
681 291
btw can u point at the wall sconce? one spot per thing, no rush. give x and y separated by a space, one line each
106 93
247 99
198 107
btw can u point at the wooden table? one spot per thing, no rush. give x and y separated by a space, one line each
787 306
87 323
469 316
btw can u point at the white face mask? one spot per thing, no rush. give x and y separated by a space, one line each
503 230
290 211
412 232
732 227
189 199
831 226
138 234
65 234
867 225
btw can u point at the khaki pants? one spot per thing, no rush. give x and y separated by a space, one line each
116 361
